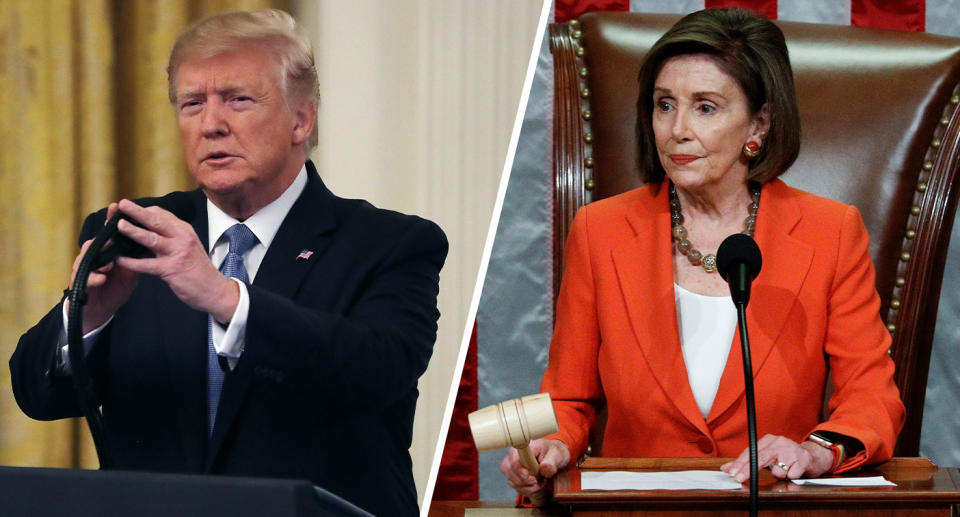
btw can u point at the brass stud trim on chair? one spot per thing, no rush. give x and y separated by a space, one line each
574 23
580 51
584 92
587 115
892 328
577 34
915 210
588 162
589 184
583 71
588 137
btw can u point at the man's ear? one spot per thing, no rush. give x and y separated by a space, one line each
305 118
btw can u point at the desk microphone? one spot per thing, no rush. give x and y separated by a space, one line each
105 248
738 262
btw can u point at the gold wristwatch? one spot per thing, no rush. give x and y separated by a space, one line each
839 452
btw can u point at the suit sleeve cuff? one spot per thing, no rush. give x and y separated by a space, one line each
89 339
229 341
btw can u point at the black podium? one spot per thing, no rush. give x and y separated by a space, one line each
39 492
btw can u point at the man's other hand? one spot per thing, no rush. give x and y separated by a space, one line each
179 260
108 288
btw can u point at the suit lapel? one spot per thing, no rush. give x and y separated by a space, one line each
786 262
307 227
185 346
643 264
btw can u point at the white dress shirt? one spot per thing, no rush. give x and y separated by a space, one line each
227 341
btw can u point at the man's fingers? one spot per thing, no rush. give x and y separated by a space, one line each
146 238
152 218
111 209
77 259
95 279
148 266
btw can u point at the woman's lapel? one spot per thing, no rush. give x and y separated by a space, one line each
786 262
644 268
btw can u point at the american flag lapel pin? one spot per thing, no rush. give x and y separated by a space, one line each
304 255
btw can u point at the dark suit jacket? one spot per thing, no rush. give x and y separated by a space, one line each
327 384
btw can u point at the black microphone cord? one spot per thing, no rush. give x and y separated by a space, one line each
179 204
83 384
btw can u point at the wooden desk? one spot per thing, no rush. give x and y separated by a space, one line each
922 490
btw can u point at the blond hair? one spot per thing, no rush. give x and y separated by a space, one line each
270 29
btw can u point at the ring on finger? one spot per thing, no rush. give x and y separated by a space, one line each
783 466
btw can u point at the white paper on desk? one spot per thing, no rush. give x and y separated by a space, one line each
683 480
865 481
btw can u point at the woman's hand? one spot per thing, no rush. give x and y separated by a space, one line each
801 460
552 455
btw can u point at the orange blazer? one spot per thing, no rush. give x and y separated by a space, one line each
814 305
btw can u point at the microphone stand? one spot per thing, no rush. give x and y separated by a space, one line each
740 252
751 407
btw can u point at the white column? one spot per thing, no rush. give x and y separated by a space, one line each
418 99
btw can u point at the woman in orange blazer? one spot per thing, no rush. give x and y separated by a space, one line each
718 123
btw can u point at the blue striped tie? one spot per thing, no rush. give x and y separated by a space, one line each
241 240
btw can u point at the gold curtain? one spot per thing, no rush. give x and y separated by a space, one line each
84 120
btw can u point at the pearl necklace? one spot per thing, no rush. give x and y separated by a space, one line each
709 261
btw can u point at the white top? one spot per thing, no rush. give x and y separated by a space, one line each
707 324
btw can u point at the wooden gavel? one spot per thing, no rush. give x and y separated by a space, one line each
514 423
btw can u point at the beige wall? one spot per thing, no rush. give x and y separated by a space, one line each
418 99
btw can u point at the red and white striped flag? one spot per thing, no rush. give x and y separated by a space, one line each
939 16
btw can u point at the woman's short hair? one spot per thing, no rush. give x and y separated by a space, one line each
752 51
271 29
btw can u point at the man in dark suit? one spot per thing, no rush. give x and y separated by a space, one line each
281 330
